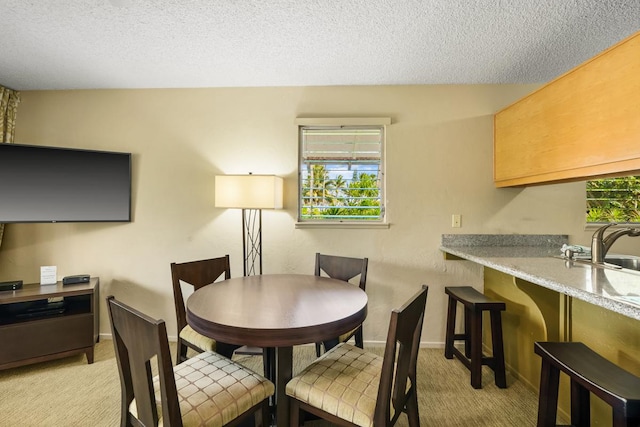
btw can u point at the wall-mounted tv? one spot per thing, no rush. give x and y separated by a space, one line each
52 184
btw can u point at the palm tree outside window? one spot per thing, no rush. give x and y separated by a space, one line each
614 200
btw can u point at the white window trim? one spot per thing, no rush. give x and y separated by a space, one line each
593 226
346 121
343 121
342 225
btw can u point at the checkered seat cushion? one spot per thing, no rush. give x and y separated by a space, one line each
213 390
343 382
190 335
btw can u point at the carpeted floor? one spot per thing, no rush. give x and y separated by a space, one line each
70 393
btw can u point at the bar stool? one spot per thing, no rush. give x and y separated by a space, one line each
475 303
589 373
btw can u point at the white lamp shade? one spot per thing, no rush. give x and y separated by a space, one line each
248 191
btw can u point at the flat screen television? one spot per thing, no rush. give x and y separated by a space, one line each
53 184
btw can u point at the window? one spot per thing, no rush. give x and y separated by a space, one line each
341 176
614 200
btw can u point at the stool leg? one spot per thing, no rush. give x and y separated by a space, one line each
548 396
476 347
468 315
580 411
498 349
451 329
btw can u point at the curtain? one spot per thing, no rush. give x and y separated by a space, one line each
9 100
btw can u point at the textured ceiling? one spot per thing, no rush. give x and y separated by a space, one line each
78 44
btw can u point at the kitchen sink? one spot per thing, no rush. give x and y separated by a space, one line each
629 262
612 262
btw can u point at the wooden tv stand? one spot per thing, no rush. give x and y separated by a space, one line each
30 338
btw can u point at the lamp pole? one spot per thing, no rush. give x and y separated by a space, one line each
252 240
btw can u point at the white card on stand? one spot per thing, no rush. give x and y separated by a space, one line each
48 275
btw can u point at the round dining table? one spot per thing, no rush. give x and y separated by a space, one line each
277 311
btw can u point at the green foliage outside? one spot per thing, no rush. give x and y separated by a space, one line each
614 200
325 198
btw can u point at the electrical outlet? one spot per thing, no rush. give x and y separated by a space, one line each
456 221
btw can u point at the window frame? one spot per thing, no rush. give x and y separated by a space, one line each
333 123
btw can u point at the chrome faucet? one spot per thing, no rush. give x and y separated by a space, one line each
600 245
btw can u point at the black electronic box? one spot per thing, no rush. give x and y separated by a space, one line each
11 286
79 278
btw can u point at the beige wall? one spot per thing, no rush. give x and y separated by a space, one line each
439 162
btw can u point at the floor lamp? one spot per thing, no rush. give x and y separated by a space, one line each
251 193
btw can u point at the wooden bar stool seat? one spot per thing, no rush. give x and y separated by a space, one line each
475 303
589 373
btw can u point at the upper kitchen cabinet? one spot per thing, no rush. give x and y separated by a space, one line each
584 124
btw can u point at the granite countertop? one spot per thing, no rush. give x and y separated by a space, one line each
536 259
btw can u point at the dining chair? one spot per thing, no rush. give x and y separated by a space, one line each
196 274
349 386
345 269
206 390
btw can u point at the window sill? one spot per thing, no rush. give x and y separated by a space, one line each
593 226
342 225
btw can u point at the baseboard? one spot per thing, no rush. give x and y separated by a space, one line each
423 344
369 343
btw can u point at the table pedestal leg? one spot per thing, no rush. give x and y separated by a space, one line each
329 344
284 362
225 349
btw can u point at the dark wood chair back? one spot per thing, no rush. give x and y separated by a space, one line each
345 269
197 274
398 380
342 268
137 339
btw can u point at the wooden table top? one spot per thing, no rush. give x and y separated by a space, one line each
276 310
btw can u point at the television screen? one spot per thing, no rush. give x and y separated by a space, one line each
51 184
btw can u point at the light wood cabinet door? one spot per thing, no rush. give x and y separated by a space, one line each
582 125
